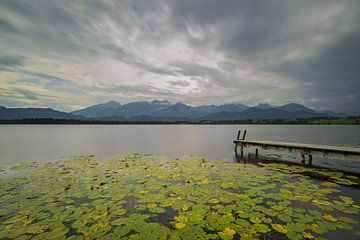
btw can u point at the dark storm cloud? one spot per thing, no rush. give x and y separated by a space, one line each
275 51
10 61
7 27
333 72
236 26
263 32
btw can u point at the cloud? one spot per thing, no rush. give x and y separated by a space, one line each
9 61
197 52
180 83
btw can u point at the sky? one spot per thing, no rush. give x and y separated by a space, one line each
70 54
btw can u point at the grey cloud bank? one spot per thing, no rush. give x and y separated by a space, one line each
70 54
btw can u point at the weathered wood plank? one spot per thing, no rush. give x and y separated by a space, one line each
311 149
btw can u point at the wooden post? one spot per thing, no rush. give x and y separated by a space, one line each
242 150
244 135
257 153
303 159
238 136
310 160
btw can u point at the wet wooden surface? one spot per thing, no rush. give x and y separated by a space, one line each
351 153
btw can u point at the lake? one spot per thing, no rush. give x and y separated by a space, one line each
141 195
49 143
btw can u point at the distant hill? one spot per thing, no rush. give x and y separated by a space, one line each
128 110
166 111
155 108
294 107
263 106
22 113
101 110
335 114
258 113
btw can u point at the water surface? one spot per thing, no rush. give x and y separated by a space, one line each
44 143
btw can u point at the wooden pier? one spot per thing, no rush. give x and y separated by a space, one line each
304 149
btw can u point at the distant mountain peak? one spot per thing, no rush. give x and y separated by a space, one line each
27 113
263 106
180 104
295 107
165 110
165 102
111 104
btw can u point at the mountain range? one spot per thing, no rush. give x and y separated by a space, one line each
166 111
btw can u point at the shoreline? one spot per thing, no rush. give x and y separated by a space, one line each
337 121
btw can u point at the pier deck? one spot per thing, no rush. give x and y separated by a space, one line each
329 151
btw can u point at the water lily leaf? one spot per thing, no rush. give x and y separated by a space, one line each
261 228
180 225
227 233
214 200
284 217
181 218
280 228
36 228
204 181
157 210
185 208
294 236
196 217
308 235
151 205
255 219
329 217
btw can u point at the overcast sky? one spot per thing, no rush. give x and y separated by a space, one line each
69 54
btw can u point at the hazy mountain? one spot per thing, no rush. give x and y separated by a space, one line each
335 114
294 107
22 113
110 104
165 111
114 108
263 106
232 107
135 109
258 113
178 110
107 109
160 105
112 118
206 109
145 118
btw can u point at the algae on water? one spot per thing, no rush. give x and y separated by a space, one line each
149 197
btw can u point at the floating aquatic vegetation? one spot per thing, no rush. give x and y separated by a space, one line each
148 197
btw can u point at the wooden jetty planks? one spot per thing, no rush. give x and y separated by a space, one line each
315 147
350 153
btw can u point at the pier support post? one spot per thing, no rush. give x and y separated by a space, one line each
244 135
242 150
303 159
256 153
310 160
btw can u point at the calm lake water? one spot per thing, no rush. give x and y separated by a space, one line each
50 143
46 143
